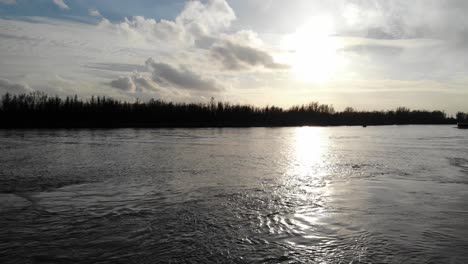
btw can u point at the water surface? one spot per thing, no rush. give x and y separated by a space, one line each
387 194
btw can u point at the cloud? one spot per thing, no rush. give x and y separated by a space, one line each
400 19
205 48
8 2
402 59
119 67
124 84
202 19
196 22
384 50
140 29
94 13
16 37
236 57
133 83
183 78
7 86
61 4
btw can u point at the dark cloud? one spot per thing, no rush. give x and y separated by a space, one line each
180 77
124 84
7 86
133 83
236 57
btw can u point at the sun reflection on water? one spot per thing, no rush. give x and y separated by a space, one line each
305 182
309 147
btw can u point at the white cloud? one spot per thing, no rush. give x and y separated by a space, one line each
196 22
61 4
94 13
203 19
192 52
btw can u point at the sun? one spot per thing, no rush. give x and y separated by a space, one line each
313 49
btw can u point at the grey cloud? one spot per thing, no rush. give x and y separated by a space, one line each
401 19
144 83
236 57
379 33
394 33
8 2
205 42
118 67
7 86
124 84
133 83
374 49
180 77
10 36
372 33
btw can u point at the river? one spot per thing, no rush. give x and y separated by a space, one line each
385 194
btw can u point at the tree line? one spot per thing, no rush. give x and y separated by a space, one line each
37 109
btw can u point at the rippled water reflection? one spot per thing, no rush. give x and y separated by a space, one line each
264 195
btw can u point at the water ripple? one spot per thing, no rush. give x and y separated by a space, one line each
292 195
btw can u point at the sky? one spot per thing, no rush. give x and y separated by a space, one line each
371 55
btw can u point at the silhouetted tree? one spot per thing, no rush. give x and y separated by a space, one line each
462 117
40 110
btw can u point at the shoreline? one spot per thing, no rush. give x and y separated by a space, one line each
185 126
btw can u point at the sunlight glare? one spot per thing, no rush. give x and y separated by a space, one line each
310 145
314 50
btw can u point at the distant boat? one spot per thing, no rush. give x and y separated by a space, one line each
462 125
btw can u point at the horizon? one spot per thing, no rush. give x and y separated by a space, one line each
212 100
372 56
